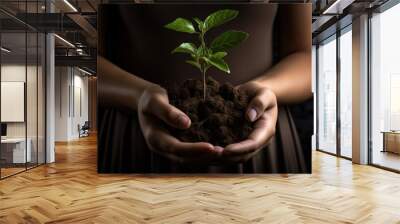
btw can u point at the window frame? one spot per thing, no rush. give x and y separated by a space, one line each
378 10
334 37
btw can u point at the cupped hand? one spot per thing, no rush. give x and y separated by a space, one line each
263 111
154 110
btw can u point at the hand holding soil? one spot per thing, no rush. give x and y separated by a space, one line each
217 110
262 110
241 120
237 121
219 119
154 111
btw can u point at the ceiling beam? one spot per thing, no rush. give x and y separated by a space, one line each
90 31
320 22
79 61
337 7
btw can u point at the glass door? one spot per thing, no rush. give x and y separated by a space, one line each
327 95
14 153
22 77
385 89
345 59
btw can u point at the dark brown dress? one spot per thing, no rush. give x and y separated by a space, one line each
133 37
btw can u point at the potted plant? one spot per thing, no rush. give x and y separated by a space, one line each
216 111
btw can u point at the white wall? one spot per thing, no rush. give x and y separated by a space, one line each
71 102
13 100
33 127
12 73
62 81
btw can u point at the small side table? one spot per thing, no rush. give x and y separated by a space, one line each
14 150
391 141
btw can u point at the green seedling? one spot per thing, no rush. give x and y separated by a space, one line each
205 56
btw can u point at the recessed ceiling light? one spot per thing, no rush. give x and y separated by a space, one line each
337 7
65 41
84 71
70 5
5 49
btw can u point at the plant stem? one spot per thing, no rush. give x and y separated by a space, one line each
203 70
203 43
204 85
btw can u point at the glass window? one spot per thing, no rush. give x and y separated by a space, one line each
22 92
327 96
385 88
15 149
346 93
314 82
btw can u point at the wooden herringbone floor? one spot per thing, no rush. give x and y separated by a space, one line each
70 191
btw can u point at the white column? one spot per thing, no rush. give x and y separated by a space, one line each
63 76
360 90
50 98
50 92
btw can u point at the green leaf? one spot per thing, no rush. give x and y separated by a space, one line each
218 63
181 25
200 24
200 51
228 40
219 17
220 54
195 64
188 48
